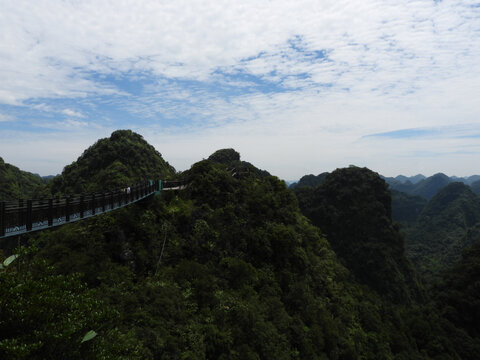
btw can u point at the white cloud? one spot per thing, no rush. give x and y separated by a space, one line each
5 118
387 65
70 112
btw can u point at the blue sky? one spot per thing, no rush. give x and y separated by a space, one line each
296 87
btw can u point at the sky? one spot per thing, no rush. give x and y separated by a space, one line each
297 87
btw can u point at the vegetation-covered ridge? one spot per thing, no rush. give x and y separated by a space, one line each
230 268
443 229
122 159
353 208
18 184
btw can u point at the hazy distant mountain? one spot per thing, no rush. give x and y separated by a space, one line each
426 187
466 180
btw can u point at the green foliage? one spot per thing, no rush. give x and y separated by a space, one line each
123 159
441 233
18 184
406 208
43 316
243 274
310 180
353 207
476 187
225 156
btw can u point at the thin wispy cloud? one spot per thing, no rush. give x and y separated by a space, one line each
307 78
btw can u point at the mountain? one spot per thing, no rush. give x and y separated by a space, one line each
226 269
120 160
406 208
310 180
18 184
229 268
403 179
469 180
440 235
425 188
353 208
237 168
458 295
476 187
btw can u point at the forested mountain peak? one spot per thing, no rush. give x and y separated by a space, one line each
225 156
238 168
310 180
353 208
227 268
455 192
17 184
120 160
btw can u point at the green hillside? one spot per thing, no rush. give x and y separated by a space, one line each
440 235
353 209
111 163
476 187
406 208
18 184
310 180
229 268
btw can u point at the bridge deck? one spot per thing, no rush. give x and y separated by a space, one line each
23 216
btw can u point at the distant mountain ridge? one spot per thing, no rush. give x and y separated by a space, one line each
427 187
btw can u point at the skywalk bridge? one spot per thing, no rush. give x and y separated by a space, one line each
22 216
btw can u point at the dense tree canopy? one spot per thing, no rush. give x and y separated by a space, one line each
229 268
123 159
18 184
440 235
353 207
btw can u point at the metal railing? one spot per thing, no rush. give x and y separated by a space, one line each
22 216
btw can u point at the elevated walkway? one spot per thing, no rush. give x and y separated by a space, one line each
23 216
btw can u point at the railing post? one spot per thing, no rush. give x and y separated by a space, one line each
21 216
67 209
82 199
2 218
103 202
29 215
112 200
93 204
50 212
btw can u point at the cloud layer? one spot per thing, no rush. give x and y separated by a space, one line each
296 86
